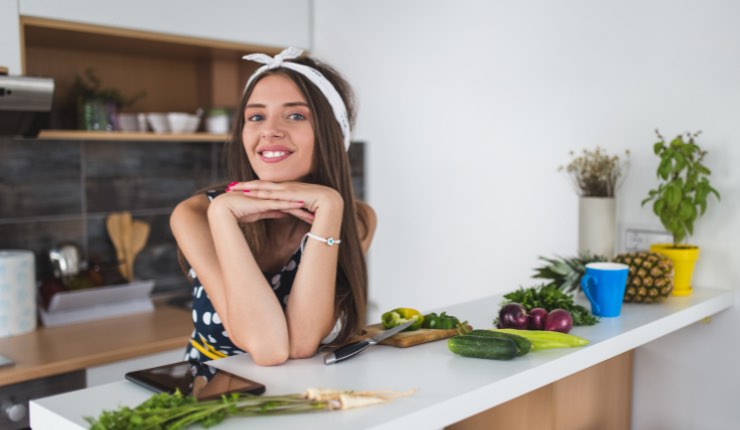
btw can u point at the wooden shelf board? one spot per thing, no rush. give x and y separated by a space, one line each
131 135
49 351
50 32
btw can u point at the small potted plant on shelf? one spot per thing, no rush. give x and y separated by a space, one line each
97 107
679 201
597 176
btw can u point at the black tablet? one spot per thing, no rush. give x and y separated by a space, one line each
194 378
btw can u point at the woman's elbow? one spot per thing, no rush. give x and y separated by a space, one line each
269 359
303 349
264 353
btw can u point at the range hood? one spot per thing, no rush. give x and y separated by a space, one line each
25 104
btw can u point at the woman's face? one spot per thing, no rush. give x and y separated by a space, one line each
278 132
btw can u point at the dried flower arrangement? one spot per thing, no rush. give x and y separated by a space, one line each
596 173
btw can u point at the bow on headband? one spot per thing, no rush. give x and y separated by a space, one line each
313 75
276 61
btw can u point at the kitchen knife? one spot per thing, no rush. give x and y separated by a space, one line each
354 348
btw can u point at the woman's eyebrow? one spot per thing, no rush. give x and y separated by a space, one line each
289 104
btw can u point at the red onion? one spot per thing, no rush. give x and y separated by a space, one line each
559 320
537 317
513 315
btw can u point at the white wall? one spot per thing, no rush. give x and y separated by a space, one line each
468 109
10 46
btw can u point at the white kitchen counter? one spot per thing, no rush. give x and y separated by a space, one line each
450 387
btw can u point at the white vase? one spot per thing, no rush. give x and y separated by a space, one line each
597 222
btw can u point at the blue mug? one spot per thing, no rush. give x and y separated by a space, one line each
604 284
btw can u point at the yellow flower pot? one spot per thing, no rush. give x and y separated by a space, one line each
684 259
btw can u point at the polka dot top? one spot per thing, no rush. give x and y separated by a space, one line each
210 340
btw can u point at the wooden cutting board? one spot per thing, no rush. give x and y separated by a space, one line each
410 338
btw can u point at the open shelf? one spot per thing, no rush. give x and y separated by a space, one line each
177 73
131 135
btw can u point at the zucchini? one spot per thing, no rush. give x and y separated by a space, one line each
496 348
523 345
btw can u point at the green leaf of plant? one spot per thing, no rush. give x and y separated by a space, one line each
686 211
702 205
715 192
680 163
664 169
673 195
658 207
657 147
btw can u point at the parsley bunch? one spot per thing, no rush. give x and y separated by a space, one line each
549 297
176 411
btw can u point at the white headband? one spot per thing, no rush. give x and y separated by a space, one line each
313 75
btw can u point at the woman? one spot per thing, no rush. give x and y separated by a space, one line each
277 258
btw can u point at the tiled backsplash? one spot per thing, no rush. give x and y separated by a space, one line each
53 192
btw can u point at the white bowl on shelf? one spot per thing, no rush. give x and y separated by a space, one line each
180 122
158 122
128 122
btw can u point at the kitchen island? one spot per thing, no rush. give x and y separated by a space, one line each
449 388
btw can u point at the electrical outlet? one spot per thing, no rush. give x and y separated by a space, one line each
640 238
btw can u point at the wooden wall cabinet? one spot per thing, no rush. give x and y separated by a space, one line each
184 54
177 73
262 23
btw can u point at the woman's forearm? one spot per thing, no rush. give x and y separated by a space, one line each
256 319
310 310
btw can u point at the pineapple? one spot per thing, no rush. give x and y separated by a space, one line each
566 273
650 278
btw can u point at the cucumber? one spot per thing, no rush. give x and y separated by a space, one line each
523 345
496 348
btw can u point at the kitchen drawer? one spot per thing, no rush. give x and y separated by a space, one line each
14 398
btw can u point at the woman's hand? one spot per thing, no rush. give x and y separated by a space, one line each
311 200
247 209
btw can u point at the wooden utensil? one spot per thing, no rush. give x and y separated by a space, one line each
410 338
126 220
139 236
113 224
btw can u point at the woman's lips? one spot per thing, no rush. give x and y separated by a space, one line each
274 155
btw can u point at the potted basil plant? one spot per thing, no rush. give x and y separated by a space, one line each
679 201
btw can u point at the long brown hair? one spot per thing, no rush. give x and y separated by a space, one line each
331 169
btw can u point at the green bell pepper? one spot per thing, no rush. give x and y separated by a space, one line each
441 321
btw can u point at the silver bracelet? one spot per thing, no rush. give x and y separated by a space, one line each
329 241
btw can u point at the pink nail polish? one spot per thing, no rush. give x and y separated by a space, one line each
245 191
232 184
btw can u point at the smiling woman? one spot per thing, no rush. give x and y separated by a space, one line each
278 132
277 256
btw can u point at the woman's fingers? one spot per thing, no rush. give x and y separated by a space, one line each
267 190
